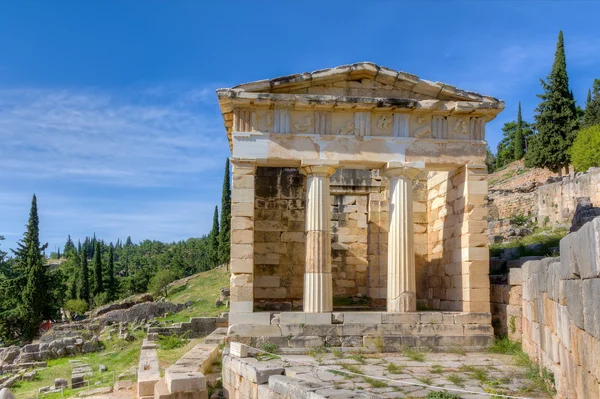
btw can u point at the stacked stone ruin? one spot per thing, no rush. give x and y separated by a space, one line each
358 180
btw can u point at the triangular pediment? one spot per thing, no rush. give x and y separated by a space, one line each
363 79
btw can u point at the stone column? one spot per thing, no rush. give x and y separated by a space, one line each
318 285
242 237
401 284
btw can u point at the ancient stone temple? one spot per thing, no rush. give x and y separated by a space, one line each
358 209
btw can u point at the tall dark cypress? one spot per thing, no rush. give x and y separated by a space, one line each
591 115
225 233
98 277
111 284
84 293
36 295
214 239
519 143
556 118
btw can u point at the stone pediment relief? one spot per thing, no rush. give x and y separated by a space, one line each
362 100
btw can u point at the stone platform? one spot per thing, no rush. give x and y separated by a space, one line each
387 331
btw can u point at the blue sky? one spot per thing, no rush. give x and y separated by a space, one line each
108 109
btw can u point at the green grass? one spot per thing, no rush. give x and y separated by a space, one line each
118 356
547 238
171 341
338 353
505 346
394 368
426 380
204 290
414 354
167 357
456 380
359 357
351 368
441 395
375 383
437 369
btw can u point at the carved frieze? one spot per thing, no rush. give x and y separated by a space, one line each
422 126
242 120
477 128
401 125
439 127
322 122
281 122
362 123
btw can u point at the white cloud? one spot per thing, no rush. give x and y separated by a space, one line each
108 139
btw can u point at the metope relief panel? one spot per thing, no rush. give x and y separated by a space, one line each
362 124
342 123
458 128
439 127
477 128
281 120
401 125
382 124
420 126
322 122
302 122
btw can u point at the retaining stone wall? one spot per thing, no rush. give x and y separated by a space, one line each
553 306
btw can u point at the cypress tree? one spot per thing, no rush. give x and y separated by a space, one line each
519 140
36 295
591 115
556 118
214 239
98 283
111 284
225 233
84 293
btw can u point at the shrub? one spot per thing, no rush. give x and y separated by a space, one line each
171 341
160 282
585 152
76 306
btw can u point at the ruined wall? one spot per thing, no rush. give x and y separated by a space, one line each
558 316
458 266
359 227
556 202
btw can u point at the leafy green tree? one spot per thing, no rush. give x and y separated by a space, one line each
84 292
585 152
36 295
111 283
76 306
225 233
591 115
506 148
556 118
519 143
214 239
159 283
98 276
69 249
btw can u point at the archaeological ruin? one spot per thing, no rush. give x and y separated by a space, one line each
358 210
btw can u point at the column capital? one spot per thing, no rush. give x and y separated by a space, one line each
408 170
243 163
319 167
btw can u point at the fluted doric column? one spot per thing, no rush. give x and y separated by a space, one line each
401 284
318 285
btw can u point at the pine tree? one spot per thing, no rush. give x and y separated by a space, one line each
556 118
36 292
214 239
591 115
225 233
84 293
111 284
519 143
98 277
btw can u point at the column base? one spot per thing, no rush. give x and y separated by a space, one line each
318 293
406 302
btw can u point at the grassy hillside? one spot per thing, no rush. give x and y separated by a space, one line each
203 289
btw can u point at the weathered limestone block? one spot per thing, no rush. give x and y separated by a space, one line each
591 308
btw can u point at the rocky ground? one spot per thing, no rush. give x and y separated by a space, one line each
408 375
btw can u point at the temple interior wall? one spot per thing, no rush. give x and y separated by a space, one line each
359 226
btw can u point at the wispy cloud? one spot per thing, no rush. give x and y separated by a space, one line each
155 139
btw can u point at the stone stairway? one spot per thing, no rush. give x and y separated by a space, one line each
217 337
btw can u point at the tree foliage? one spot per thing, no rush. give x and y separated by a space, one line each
159 283
506 147
519 141
214 239
556 118
591 115
98 275
225 232
585 152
